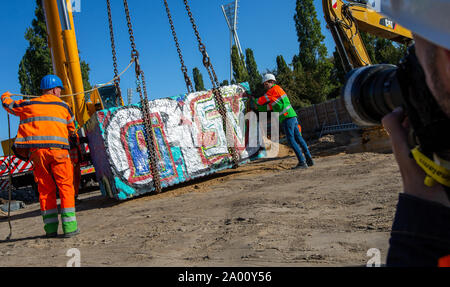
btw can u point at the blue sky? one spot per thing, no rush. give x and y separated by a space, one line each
266 26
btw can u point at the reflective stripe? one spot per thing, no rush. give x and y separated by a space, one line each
67 210
69 219
49 212
9 107
42 138
286 109
280 98
43 145
51 220
29 103
267 97
71 120
41 119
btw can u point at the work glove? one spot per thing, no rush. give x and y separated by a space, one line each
7 94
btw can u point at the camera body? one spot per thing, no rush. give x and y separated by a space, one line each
372 92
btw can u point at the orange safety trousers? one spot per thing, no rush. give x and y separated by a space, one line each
53 170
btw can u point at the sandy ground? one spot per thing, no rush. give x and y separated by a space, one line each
262 214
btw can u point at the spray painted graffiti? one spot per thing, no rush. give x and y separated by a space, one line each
190 141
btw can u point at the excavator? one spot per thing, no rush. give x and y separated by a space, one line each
346 19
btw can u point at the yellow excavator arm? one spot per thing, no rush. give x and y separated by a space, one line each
346 19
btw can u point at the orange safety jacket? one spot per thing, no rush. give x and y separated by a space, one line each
45 122
276 100
444 261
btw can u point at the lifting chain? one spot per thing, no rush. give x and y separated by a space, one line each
188 81
216 90
146 114
114 55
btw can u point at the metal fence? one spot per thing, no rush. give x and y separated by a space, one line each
327 117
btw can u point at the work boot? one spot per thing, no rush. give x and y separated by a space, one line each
301 165
310 161
72 234
51 235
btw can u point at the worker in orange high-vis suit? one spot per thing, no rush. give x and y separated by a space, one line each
46 124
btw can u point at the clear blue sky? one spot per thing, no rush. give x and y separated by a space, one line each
266 26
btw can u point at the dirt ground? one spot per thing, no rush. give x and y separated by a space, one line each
262 214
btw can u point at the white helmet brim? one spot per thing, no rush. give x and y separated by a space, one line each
429 19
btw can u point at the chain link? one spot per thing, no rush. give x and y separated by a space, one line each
184 70
114 55
146 114
216 90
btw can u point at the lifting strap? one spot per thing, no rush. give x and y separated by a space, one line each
145 109
216 90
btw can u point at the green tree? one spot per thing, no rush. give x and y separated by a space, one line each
85 69
240 73
338 75
311 66
255 78
198 80
309 35
383 51
37 60
285 78
36 63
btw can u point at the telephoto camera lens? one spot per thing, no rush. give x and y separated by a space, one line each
372 92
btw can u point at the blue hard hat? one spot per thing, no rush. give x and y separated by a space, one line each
51 81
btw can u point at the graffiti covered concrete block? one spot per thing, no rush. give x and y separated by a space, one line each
190 141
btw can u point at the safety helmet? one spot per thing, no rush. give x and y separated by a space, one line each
428 19
269 77
51 81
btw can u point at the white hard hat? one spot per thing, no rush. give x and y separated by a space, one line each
269 77
429 19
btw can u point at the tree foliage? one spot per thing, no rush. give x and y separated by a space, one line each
240 73
255 78
383 51
37 61
198 80
312 67
309 35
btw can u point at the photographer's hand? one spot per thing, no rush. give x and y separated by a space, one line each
413 176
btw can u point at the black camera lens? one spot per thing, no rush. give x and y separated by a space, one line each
372 92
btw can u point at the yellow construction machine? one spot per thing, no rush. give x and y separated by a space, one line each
66 64
346 20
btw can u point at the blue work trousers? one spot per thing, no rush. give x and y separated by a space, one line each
295 139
